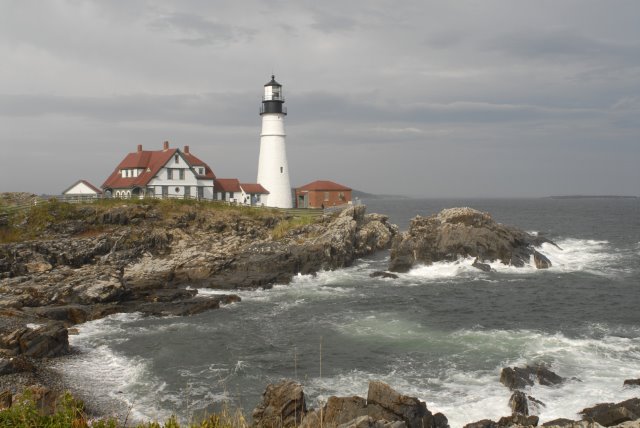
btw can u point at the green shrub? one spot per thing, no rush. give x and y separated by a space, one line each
69 413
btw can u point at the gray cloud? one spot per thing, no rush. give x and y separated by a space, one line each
192 29
502 98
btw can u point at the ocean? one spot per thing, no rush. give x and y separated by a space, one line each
442 332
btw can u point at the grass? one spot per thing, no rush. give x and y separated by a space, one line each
70 413
285 226
33 222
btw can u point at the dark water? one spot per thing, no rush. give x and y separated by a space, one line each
441 333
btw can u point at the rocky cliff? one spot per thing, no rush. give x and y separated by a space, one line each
90 261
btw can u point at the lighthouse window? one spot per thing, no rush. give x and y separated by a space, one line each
281 170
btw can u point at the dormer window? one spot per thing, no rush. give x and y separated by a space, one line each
201 171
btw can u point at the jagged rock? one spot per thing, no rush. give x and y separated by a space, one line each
519 404
370 422
484 423
460 232
518 420
519 378
383 274
632 382
283 405
383 408
485 267
49 340
610 414
408 409
340 410
540 260
561 422
149 272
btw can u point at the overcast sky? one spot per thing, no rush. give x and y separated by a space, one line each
423 98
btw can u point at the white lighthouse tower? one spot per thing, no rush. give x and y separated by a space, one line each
273 171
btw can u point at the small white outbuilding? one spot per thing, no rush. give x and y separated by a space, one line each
83 188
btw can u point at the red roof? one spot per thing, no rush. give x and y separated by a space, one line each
150 161
194 161
227 185
86 183
253 188
324 185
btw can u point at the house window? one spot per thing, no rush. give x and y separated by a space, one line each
341 195
176 158
326 196
281 170
181 174
230 195
177 189
201 171
169 174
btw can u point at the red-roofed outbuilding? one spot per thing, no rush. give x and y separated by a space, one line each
322 194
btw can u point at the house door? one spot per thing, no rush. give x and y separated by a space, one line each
165 191
187 192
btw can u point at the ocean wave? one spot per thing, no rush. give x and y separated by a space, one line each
594 369
573 255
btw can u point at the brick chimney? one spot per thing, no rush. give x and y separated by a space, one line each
166 146
186 149
139 148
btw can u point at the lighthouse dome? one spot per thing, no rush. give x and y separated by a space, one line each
272 82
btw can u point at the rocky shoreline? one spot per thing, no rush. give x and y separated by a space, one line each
123 258
91 261
284 405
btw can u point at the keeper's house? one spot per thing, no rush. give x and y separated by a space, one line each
166 173
322 194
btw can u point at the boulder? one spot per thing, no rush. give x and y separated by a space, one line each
610 414
370 422
563 422
408 409
484 423
518 377
519 403
383 274
340 410
540 260
485 267
632 382
283 405
49 340
458 233
518 420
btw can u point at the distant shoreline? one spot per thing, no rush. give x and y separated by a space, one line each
591 197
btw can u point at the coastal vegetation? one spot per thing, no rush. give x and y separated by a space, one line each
68 412
26 217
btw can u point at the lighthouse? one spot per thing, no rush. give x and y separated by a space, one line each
273 170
